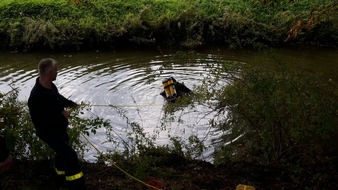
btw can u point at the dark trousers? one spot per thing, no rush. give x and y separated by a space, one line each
66 161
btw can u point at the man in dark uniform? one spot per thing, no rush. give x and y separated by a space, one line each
49 116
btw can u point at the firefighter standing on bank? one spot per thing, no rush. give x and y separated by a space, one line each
48 114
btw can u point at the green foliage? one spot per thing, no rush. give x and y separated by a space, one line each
57 24
192 149
80 125
19 132
275 116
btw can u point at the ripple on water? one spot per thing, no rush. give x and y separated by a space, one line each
132 81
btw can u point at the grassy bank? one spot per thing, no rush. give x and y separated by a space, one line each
97 24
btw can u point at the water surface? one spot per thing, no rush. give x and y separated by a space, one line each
132 81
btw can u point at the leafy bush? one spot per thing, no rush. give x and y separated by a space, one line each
19 132
275 116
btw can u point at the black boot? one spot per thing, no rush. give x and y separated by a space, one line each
60 181
78 184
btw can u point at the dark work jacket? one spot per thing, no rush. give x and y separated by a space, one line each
45 108
4 152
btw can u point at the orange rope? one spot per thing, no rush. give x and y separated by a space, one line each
150 186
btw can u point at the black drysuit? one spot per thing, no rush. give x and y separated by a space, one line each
46 107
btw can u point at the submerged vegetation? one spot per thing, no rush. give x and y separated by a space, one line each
98 24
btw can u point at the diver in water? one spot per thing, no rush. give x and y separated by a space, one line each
174 89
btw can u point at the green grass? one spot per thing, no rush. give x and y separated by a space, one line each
188 23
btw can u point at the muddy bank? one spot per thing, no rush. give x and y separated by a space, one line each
184 174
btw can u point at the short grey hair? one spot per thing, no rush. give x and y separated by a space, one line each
46 65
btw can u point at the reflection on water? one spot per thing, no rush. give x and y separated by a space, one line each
133 80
